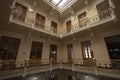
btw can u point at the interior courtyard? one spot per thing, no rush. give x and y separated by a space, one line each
60 40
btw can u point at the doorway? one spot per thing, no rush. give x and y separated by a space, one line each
68 26
70 52
8 52
53 53
113 47
87 53
36 50
54 26
9 48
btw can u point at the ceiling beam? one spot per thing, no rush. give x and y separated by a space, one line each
59 2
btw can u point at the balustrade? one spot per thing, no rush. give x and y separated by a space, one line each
112 64
99 65
83 22
105 14
17 14
29 20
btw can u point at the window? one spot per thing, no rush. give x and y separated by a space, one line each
19 12
40 20
86 49
9 48
68 26
54 26
36 50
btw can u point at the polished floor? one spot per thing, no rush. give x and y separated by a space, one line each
62 75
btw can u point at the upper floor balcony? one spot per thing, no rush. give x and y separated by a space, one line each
20 16
90 22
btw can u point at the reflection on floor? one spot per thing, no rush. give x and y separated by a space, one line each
62 75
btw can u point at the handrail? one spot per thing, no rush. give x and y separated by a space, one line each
48 60
27 65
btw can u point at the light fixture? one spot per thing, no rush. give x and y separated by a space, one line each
53 52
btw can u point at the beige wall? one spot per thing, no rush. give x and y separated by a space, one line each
90 10
26 43
32 16
97 39
91 13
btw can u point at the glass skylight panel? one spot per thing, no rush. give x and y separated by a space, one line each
55 1
60 5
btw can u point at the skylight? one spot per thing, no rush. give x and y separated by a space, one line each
60 5
55 1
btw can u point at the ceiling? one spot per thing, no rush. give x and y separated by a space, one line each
60 5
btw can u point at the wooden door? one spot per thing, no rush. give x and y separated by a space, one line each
40 20
68 26
54 26
36 50
53 52
70 52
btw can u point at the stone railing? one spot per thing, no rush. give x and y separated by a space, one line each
22 66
